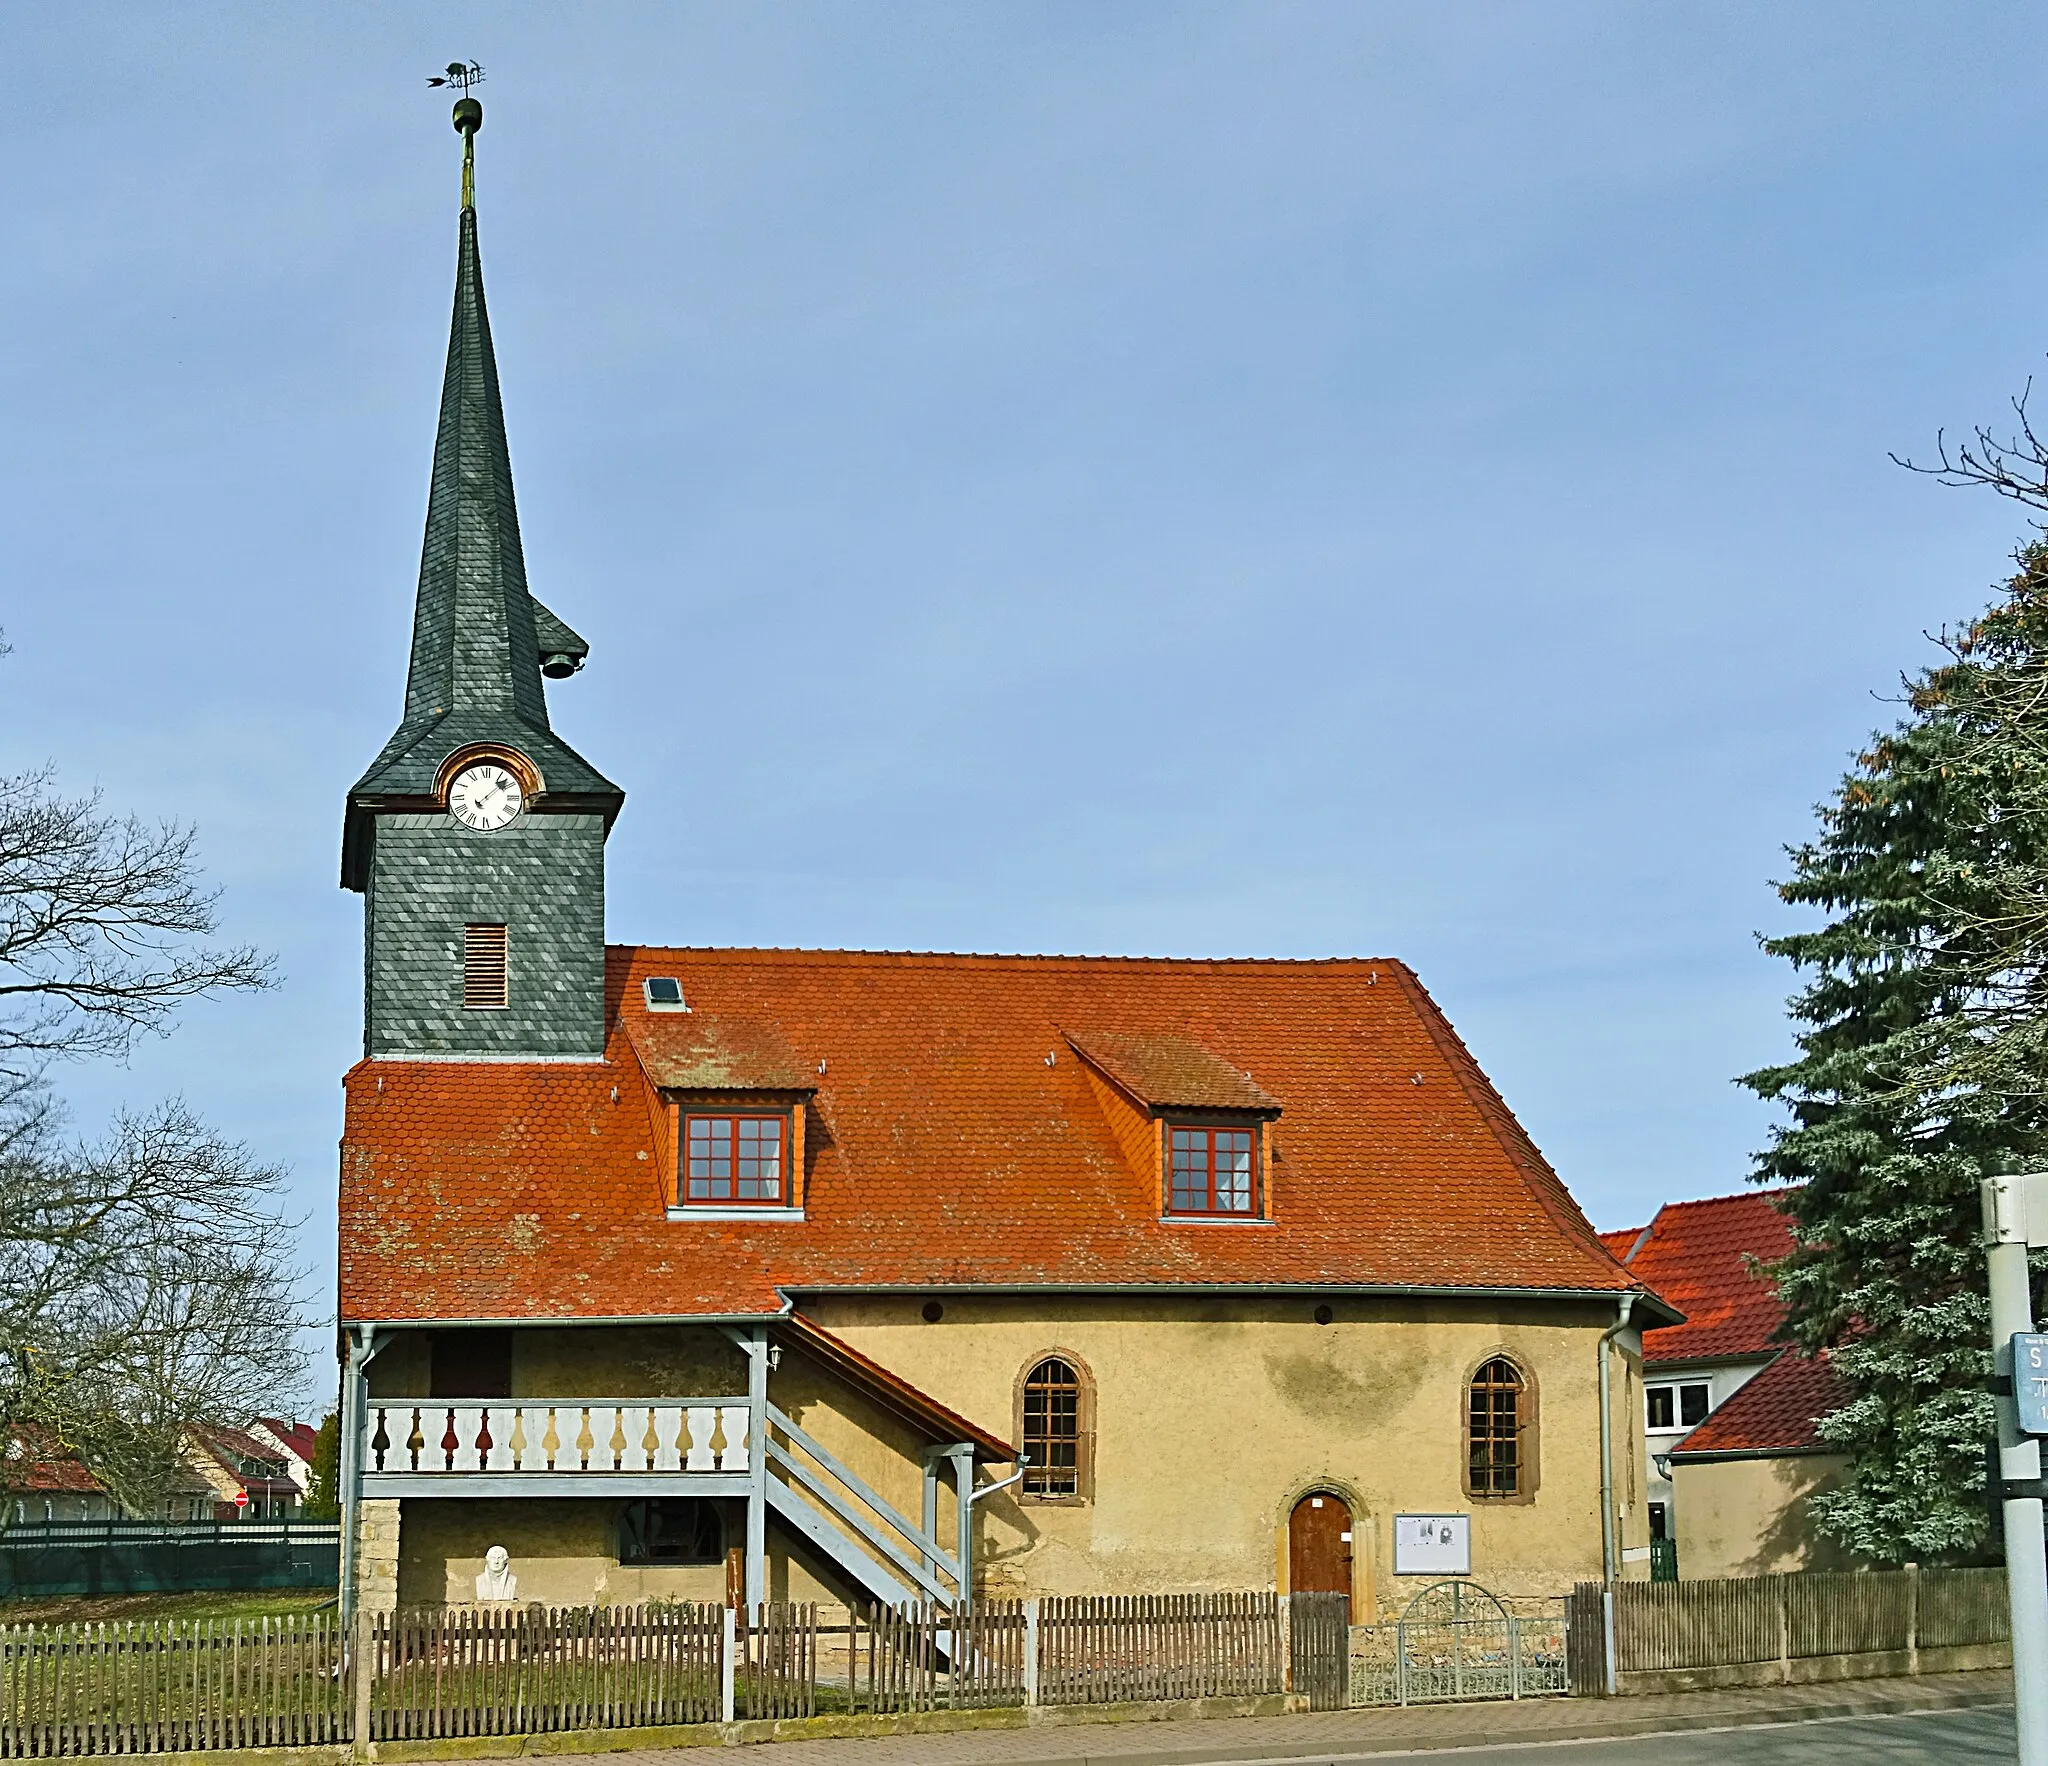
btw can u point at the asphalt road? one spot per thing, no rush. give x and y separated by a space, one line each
1978 1737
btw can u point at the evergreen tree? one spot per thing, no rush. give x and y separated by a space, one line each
1916 1076
323 1482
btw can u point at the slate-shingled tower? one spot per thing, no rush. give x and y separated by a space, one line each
477 836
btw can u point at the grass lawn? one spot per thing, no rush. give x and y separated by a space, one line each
197 1604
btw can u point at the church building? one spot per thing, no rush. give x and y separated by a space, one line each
690 1273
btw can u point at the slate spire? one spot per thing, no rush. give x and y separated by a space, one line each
473 643
477 652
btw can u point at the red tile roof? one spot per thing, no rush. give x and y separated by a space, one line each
230 1447
1697 1256
699 1051
300 1438
1171 1073
1773 1413
954 1140
35 1462
1623 1242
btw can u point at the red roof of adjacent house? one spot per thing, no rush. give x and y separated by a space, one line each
1774 1412
1697 1256
36 1462
299 1438
230 1446
954 1139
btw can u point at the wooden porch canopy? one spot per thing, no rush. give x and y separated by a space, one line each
924 1413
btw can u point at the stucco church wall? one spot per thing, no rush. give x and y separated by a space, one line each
1213 1417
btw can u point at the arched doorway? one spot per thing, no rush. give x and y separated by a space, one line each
1319 1546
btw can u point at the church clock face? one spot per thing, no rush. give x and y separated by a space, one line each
485 797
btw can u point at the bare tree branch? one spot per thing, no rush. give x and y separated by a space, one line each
98 921
2015 466
146 1285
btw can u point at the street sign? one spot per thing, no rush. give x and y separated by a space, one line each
2030 1381
241 1499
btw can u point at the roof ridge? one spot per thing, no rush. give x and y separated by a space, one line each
1760 1194
849 952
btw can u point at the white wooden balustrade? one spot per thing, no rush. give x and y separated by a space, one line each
493 1446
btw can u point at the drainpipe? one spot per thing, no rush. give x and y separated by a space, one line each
1609 1557
757 1467
360 1350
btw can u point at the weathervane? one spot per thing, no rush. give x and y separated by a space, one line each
458 76
469 117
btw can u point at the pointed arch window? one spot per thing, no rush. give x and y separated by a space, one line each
1499 1437
1055 1404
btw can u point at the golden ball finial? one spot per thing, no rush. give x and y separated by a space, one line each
469 116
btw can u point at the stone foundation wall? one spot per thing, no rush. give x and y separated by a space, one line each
377 1529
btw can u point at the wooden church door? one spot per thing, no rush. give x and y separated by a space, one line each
1319 1546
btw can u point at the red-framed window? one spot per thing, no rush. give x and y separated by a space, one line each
735 1160
1211 1171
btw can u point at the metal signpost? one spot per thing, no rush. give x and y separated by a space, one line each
2015 1220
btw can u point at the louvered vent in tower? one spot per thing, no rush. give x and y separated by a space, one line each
486 969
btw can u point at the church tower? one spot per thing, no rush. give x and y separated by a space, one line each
477 836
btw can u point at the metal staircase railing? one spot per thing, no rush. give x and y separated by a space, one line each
813 1479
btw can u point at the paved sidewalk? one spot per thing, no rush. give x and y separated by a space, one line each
1334 1735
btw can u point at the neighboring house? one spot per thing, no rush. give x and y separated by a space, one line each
234 1462
871 1276
1742 1478
44 1485
1721 1390
292 1440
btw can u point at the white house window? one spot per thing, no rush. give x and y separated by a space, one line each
1682 1406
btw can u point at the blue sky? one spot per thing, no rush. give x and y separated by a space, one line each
1264 478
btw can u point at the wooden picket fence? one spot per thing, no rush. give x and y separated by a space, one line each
536 1670
1874 1621
1777 1618
172 1685
791 1662
1112 1649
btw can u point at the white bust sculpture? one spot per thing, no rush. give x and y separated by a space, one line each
497 1581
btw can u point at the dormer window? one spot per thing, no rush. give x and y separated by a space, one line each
1212 1171
734 1160
663 993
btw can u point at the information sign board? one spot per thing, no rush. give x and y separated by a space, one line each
2030 1381
1432 1545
